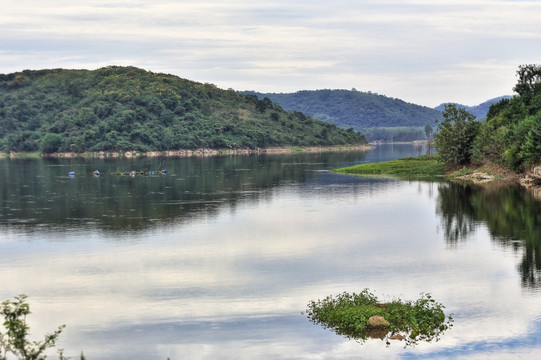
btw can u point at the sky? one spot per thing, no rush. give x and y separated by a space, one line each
422 51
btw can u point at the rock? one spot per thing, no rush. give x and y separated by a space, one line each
377 333
537 171
378 322
397 337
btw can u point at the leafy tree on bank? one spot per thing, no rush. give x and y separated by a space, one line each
15 340
455 139
511 136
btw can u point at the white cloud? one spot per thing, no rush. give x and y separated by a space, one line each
286 45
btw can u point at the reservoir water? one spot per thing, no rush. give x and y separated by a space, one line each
218 258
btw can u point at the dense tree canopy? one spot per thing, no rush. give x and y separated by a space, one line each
511 136
126 108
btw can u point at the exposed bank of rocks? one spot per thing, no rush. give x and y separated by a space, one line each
207 152
532 178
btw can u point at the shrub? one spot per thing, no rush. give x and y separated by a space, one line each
50 143
348 314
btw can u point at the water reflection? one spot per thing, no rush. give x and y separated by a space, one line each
38 193
219 257
512 214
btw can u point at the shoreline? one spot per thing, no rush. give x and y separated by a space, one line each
182 153
427 167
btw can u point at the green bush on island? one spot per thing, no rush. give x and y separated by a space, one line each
349 315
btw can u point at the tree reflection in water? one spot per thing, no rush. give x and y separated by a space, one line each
511 213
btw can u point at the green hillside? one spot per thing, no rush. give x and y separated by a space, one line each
356 109
126 108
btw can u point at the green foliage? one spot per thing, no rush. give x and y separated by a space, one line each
14 340
125 108
415 167
50 143
531 150
348 315
489 145
529 81
515 154
510 136
455 139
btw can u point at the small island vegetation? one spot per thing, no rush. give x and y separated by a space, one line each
361 316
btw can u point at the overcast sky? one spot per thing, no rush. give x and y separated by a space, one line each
422 51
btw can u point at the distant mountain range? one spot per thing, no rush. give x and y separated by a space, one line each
355 109
363 110
480 110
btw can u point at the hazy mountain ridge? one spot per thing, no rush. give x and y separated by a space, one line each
480 111
355 109
364 110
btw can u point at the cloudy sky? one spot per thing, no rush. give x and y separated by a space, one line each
422 51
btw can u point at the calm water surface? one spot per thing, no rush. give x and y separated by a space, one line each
219 258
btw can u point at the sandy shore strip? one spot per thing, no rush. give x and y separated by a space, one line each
200 152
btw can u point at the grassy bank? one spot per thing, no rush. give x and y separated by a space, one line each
425 166
428 167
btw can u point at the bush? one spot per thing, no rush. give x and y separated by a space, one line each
348 315
50 143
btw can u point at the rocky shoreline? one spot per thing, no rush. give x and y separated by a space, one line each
530 178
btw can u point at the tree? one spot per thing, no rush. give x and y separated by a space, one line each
429 130
50 143
15 339
531 149
455 139
529 81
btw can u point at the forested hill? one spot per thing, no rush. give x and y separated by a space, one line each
126 108
356 109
